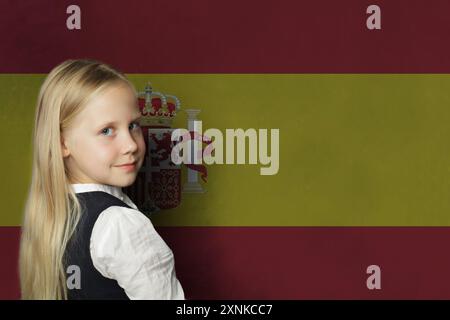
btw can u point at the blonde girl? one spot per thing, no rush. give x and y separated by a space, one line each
82 237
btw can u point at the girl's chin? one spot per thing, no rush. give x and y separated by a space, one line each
123 183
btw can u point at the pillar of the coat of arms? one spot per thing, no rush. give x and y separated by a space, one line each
192 185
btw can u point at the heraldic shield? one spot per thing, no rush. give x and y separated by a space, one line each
158 183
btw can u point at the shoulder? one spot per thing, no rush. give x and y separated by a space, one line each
119 218
120 228
125 247
122 238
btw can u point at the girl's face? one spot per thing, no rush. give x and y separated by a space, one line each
105 136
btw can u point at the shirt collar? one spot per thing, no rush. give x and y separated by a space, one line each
112 190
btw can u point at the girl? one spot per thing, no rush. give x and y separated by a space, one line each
82 237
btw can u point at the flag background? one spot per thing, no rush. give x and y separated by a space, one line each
363 118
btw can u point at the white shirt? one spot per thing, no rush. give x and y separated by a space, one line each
125 246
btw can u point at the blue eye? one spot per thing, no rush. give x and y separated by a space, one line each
136 125
105 131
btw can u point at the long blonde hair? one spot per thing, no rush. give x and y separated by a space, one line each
52 210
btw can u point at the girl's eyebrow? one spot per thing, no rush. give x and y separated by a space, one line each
112 123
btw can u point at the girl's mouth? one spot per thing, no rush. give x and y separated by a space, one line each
128 167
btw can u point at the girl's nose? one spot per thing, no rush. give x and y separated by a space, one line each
130 145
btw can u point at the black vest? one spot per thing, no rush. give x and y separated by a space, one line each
93 284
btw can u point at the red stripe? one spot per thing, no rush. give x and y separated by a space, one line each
202 36
9 255
293 262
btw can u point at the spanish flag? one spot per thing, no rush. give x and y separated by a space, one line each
363 186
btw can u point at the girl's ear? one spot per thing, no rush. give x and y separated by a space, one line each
65 150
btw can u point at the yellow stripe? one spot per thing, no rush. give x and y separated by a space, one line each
355 150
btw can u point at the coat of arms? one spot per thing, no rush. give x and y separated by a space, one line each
158 184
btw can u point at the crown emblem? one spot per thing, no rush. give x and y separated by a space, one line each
157 109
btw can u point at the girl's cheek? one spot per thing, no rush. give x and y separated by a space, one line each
104 151
106 145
